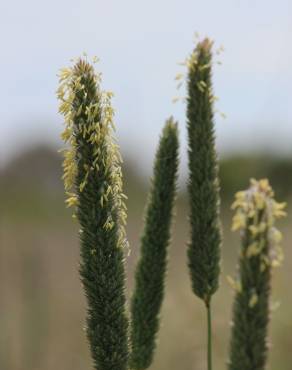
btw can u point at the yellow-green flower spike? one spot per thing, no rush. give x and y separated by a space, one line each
256 212
96 131
93 184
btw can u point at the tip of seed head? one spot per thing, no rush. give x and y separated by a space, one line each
206 44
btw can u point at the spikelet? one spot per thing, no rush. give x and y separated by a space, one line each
256 212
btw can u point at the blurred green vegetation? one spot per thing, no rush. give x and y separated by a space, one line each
42 305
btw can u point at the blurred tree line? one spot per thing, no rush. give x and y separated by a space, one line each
37 172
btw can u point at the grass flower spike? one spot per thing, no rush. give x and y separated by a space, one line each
255 214
204 248
205 244
93 183
150 272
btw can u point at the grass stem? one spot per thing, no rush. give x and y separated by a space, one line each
209 335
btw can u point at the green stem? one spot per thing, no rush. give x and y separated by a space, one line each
209 329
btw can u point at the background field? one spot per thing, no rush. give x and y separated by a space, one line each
42 306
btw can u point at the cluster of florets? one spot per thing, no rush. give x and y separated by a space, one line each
256 212
194 64
93 121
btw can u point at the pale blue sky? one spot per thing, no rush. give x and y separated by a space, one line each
139 44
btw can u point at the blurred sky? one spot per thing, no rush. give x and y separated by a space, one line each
139 44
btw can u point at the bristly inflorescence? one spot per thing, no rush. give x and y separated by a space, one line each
151 269
93 183
94 116
256 212
204 247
